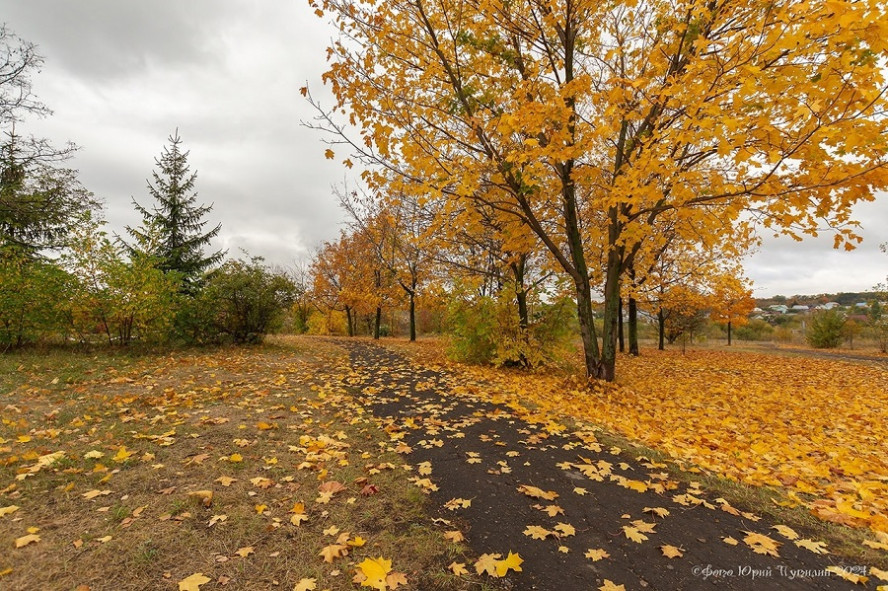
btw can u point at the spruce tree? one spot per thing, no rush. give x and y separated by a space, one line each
172 230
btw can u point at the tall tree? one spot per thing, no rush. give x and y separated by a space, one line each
175 219
40 202
594 119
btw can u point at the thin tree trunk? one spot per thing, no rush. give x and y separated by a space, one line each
661 329
377 322
729 333
633 327
607 365
620 337
348 318
413 316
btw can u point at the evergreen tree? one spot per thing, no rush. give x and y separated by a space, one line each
172 230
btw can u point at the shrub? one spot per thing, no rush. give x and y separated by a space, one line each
825 329
756 330
246 299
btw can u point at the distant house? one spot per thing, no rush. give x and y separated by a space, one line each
861 305
778 309
800 308
828 306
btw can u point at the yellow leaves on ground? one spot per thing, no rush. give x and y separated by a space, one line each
26 540
496 566
611 586
536 532
596 554
671 551
849 576
377 573
537 493
306 585
762 544
193 582
8 510
808 425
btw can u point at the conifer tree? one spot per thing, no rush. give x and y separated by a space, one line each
172 230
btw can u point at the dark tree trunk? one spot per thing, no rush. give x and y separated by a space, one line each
607 365
729 333
620 337
348 319
412 316
633 327
377 322
661 330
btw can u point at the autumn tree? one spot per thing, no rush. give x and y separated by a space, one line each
177 217
731 299
594 119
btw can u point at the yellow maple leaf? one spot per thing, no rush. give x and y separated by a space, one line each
761 544
306 585
537 493
611 586
596 554
633 534
486 563
329 154
455 536
235 458
394 580
333 551
536 532
658 511
730 541
193 582
375 570
879 573
671 551
512 561
122 454
786 532
565 529
815 547
226 480
245 551
458 568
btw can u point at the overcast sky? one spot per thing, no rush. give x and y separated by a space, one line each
121 76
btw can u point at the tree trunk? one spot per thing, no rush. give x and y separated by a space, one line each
633 327
729 333
607 365
377 322
620 337
413 316
348 319
661 329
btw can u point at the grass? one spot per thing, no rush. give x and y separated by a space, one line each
145 437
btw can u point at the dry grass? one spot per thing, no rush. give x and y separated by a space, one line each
135 435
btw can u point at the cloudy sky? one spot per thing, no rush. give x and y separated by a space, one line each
121 76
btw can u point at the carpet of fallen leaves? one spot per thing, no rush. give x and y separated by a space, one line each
813 428
248 468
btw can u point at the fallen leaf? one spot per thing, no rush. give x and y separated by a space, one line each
671 551
306 585
511 562
611 586
458 568
815 547
596 554
193 582
244 552
843 573
786 532
454 536
375 571
25 540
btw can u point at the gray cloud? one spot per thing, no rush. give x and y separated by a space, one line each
122 75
